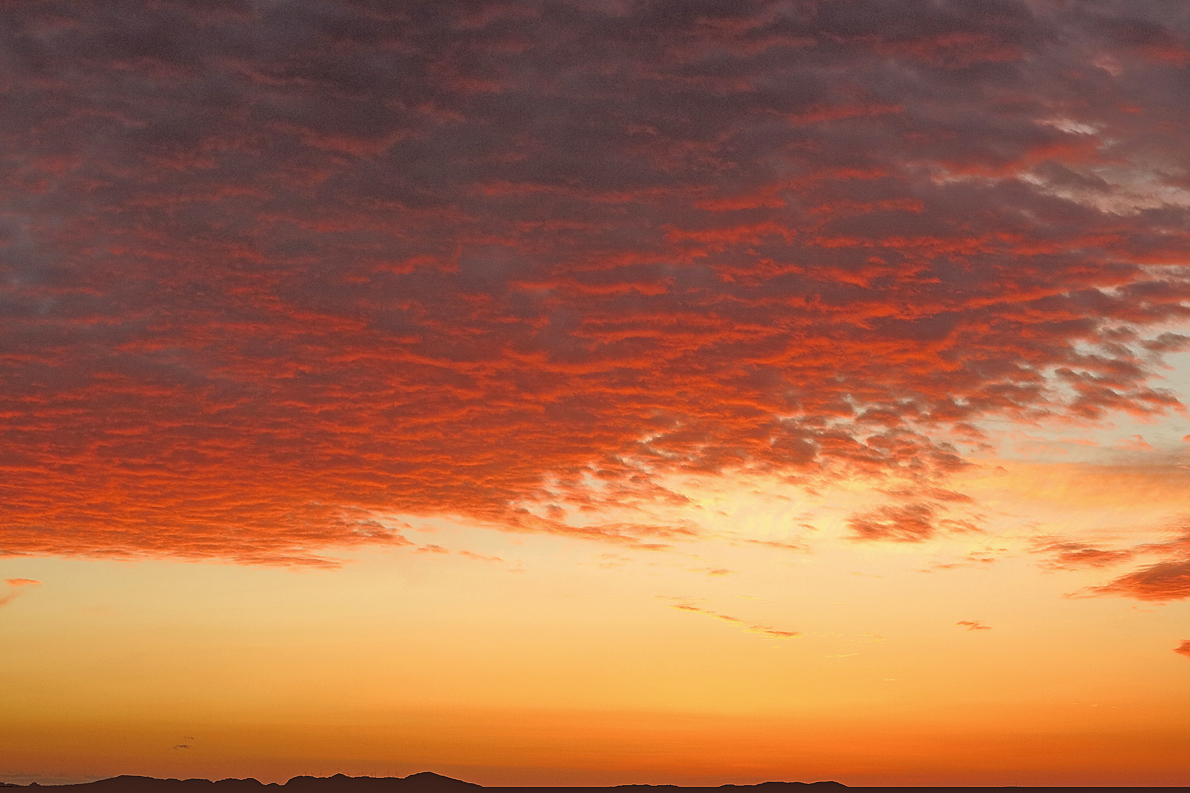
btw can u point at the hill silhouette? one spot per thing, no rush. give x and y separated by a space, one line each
424 782
429 782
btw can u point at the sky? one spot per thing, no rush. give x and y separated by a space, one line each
596 391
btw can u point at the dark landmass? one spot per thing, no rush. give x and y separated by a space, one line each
428 782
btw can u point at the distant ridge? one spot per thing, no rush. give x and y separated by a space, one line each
429 782
423 782
426 781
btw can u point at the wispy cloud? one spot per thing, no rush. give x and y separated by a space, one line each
1157 582
1073 555
1165 580
16 587
479 557
916 521
751 627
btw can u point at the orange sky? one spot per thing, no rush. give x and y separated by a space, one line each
596 392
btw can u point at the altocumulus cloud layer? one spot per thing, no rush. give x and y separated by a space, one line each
270 269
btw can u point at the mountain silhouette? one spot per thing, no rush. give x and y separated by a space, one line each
429 782
424 782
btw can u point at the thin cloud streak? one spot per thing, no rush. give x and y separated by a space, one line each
1159 582
765 630
17 587
1167 579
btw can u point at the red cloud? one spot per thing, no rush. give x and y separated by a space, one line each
915 521
1159 582
1071 555
15 584
1134 444
511 266
1168 579
1183 648
910 523
973 625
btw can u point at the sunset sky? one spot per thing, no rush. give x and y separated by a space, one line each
596 391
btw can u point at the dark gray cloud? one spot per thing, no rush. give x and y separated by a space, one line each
266 268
